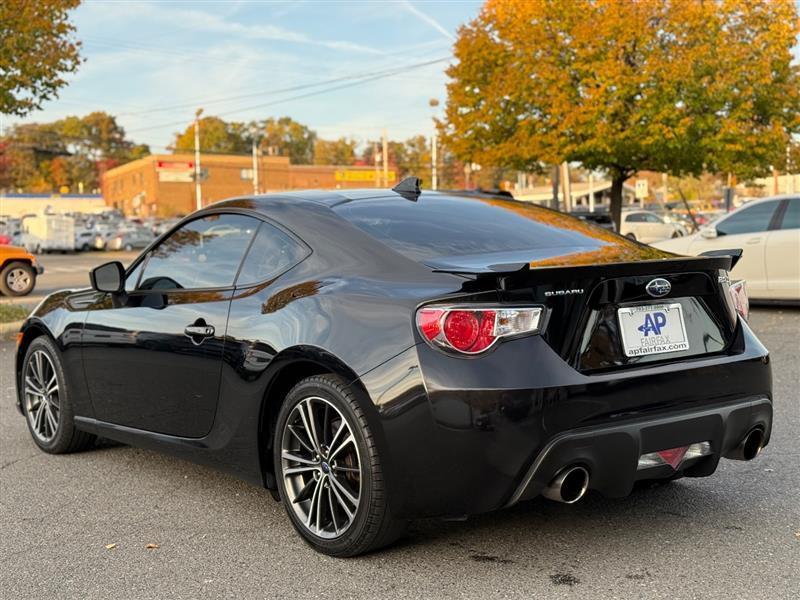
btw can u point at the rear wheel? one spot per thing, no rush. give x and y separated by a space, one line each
630 236
17 279
46 402
329 472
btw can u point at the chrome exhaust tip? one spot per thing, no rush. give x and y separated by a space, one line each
750 446
568 486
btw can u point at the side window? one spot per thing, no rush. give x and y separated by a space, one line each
749 219
634 218
204 253
271 253
133 277
652 219
791 218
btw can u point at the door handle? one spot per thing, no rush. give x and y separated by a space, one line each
199 331
754 240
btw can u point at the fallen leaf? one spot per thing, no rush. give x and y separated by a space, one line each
152 546
797 534
110 546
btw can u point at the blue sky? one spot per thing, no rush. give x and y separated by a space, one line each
153 63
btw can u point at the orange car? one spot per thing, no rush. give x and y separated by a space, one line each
18 271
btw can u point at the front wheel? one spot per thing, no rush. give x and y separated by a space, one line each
46 401
329 472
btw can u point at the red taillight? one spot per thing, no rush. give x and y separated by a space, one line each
473 330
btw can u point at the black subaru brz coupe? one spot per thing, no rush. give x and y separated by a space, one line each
372 356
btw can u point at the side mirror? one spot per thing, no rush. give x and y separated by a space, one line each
109 277
709 232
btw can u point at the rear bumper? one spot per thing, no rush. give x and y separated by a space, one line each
611 454
463 437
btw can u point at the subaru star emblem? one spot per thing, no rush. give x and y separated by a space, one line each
658 288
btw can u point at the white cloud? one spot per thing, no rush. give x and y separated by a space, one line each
426 18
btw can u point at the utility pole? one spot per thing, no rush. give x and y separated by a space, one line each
434 104
256 191
197 189
385 159
434 174
555 177
376 159
591 191
567 186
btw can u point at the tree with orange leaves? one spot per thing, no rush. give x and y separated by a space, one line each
677 86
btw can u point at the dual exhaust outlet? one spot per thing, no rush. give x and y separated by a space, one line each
568 486
749 447
571 483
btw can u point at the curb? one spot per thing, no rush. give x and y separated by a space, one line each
12 327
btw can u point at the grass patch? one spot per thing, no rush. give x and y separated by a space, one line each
12 312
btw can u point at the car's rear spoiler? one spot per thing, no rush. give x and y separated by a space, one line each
470 266
734 254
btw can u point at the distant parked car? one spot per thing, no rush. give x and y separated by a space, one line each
646 226
18 271
84 240
129 240
768 231
601 218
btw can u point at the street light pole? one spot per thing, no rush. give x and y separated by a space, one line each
434 103
198 191
255 167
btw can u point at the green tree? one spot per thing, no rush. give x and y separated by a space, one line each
676 86
335 152
216 135
42 157
291 138
36 51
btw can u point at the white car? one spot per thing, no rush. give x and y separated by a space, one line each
768 232
646 226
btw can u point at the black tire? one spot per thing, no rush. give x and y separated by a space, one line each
676 234
630 236
11 271
66 438
128 248
372 526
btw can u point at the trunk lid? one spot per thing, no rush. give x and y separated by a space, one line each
583 301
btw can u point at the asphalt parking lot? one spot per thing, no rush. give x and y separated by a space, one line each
733 535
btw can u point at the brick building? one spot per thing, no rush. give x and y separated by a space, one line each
163 184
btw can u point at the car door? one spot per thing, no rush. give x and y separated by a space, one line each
746 228
152 358
783 253
661 230
633 223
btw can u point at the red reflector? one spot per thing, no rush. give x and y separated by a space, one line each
673 456
429 319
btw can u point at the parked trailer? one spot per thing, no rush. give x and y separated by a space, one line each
48 233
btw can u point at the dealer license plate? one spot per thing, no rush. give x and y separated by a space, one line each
652 329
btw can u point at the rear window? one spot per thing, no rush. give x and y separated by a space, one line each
439 226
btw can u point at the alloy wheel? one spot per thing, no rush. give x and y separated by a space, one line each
18 280
42 402
321 467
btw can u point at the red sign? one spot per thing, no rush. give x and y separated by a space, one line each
172 165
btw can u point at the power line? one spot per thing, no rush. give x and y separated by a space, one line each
382 75
222 100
